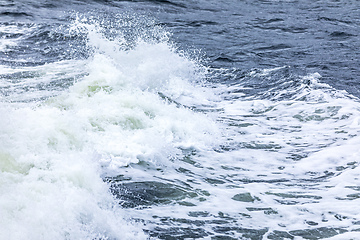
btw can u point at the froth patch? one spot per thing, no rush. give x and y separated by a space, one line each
51 186
9 164
131 104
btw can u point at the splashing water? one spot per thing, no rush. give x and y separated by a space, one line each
127 137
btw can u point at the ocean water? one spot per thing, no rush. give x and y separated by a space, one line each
179 119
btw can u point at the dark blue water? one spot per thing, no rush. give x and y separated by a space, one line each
179 119
312 36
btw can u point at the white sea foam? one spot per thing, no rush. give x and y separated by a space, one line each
284 160
278 150
28 85
287 165
6 43
127 107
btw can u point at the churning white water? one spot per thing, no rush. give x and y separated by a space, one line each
54 152
139 140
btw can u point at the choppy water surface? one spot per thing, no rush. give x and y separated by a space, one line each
179 120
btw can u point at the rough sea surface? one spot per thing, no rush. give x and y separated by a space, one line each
170 119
